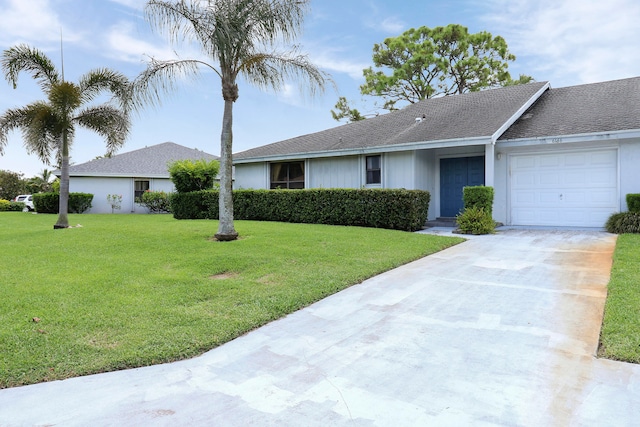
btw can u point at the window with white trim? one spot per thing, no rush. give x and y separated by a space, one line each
287 175
373 164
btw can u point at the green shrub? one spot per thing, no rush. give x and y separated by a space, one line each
50 202
196 205
46 202
633 202
80 202
193 175
623 222
475 220
479 196
393 209
6 205
156 201
16 206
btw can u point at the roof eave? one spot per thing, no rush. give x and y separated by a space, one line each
421 145
567 139
118 175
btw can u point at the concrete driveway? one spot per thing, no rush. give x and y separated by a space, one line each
500 330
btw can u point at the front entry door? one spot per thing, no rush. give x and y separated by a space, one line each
455 174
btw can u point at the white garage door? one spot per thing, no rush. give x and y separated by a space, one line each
577 188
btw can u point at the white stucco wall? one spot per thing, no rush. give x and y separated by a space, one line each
425 177
100 187
629 170
500 185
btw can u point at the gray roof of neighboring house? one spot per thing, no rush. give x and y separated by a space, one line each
148 162
471 115
574 110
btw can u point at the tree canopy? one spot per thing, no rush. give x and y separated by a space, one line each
344 111
11 184
425 62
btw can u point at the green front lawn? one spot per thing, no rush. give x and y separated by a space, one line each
620 335
125 291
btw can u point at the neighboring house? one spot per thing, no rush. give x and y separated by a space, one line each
556 157
129 174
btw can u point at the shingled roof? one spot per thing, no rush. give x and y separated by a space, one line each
148 162
575 110
478 115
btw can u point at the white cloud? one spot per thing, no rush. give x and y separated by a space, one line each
290 94
31 21
575 41
123 45
331 60
133 4
393 25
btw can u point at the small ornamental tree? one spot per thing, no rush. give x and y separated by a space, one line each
193 175
115 201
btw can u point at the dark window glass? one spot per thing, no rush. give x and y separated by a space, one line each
373 170
140 186
288 175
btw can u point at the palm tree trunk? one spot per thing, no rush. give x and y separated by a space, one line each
226 231
63 220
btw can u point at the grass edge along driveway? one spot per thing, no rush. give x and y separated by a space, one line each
123 291
620 333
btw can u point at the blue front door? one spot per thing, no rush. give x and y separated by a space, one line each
455 174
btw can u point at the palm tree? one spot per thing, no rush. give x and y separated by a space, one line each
48 127
40 183
238 39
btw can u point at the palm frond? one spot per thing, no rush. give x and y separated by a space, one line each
103 80
161 77
273 20
39 125
25 58
175 19
109 122
273 70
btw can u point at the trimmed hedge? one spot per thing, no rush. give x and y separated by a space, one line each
381 208
16 206
7 205
50 202
623 222
478 196
633 202
156 201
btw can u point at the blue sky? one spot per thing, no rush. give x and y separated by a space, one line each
566 42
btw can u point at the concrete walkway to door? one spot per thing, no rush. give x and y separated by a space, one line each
499 330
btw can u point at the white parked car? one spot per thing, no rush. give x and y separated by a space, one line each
27 199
